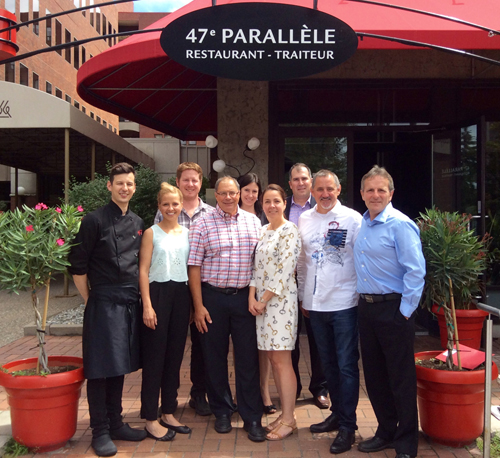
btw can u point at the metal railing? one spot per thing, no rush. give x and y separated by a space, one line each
487 383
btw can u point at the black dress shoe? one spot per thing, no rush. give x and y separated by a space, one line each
126 433
200 405
375 444
256 432
403 455
343 442
330 424
182 429
223 424
321 402
103 445
170 434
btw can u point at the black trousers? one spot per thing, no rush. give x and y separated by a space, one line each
104 396
317 385
163 348
197 369
387 351
230 317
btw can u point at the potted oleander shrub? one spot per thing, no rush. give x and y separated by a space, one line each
42 392
450 399
455 261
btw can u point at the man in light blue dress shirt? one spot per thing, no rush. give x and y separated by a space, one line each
390 269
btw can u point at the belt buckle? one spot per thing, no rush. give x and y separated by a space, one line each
234 291
369 298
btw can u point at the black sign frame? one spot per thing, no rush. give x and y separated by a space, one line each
259 41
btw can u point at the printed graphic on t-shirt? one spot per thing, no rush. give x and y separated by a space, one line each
327 246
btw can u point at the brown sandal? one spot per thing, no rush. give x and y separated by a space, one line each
273 425
280 437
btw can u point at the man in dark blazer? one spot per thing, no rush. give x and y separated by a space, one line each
300 201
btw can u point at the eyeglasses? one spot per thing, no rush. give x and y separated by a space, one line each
230 194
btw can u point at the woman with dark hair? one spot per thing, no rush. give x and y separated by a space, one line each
250 194
273 301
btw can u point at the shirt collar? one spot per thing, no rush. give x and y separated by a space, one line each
381 217
201 206
116 210
300 206
223 214
334 210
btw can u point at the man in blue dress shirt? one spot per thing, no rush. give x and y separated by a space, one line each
390 269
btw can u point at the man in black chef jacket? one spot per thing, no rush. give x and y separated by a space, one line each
104 265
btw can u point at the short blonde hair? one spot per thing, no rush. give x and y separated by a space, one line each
167 188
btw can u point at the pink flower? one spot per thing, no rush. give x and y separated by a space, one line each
60 242
41 206
79 208
29 228
58 210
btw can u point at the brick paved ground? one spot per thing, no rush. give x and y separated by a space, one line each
204 442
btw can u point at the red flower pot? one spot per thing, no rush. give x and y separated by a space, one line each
451 403
43 409
469 323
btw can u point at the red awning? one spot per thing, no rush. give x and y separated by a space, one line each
138 81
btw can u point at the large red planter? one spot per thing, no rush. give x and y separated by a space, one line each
43 409
451 403
469 323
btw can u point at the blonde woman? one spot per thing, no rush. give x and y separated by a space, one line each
166 309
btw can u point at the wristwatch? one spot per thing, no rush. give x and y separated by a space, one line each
262 301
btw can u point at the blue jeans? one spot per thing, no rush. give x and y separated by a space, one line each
336 335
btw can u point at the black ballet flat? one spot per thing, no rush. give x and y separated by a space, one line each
166 438
270 409
182 429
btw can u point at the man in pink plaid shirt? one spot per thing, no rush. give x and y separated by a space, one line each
222 245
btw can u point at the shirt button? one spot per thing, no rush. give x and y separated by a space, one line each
362 251
365 279
362 265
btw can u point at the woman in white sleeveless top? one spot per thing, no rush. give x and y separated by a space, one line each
167 304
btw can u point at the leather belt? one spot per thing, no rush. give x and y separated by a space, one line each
371 298
227 291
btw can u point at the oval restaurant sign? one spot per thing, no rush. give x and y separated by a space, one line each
259 41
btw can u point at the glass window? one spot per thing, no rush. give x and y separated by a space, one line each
76 56
92 115
76 104
36 81
91 18
84 11
67 51
23 75
36 15
84 110
48 87
492 209
58 93
58 36
105 124
48 29
98 20
104 24
110 127
10 72
84 55
68 99
24 10
98 119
